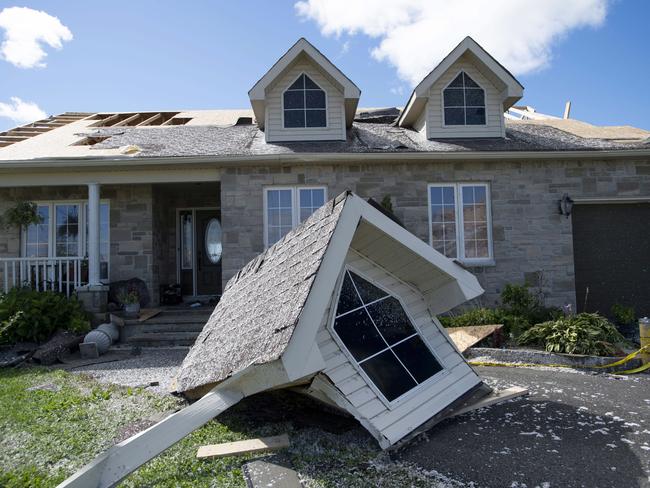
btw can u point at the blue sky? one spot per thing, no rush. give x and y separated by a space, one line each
155 55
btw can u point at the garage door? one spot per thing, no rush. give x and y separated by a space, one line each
611 247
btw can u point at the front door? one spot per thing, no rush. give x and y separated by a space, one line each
200 252
208 252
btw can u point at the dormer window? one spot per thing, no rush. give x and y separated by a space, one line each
464 102
304 104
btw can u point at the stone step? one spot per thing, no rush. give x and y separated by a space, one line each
131 330
162 339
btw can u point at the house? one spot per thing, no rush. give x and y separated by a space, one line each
343 307
190 197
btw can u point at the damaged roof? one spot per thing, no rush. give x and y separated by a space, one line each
259 309
231 133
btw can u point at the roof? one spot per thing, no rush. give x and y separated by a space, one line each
215 133
261 305
257 94
512 89
274 305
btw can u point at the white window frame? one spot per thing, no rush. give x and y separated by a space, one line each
460 224
326 126
442 103
295 204
330 327
83 219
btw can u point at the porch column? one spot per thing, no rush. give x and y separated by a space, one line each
93 235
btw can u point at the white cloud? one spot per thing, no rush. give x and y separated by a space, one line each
25 32
414 35
21 112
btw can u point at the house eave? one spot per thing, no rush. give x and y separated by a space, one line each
306 158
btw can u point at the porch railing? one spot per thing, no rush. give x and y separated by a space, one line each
63 275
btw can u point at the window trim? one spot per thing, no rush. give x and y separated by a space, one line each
460 223
390 405
295 204
83 219
442 103
326 126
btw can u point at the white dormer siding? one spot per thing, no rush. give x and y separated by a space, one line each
335 117
435 122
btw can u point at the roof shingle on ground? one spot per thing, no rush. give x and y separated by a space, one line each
260 307
248 141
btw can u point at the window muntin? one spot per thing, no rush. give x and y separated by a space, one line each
286 207
37 236
304 104
460 221
64 233
379 336
464 102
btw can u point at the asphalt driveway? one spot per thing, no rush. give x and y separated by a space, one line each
573 430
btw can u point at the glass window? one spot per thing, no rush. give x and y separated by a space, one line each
378 334
459 213
66 230
464 102
304 104
187 233
288 207
213 241
38 235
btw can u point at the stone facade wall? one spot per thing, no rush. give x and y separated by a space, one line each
131 226
532 242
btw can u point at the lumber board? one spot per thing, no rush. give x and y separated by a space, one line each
148 313
466 337
262 444
492 399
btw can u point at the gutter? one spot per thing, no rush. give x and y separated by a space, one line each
306 158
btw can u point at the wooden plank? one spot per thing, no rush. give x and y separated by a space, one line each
493 398
147 313
466 337
263 444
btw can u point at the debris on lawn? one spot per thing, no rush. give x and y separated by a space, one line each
262 474
263 444
466 337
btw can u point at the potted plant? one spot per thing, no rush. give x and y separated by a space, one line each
21 214
131 301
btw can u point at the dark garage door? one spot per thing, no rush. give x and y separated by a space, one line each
611 247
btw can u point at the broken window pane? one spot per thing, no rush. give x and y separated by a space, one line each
388 375
417 358
368 292
358 334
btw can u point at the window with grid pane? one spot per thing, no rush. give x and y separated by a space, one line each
66 230
279 213
464 102
38 235
380 337
460 220
304 104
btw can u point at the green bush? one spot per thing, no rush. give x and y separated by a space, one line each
585 333
623 315
29 315
477 316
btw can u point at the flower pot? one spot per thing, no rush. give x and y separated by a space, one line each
131 309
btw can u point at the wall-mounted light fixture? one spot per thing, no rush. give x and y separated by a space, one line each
566 205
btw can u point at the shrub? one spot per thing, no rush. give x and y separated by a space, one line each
623 315
585 333
29 315
477 316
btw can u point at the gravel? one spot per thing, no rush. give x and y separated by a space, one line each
159 365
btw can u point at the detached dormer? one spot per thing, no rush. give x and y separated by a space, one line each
304 97
466 95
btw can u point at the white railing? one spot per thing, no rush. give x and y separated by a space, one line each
57 274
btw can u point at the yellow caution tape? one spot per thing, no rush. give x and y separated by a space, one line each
627 358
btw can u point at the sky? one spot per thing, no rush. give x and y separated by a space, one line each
161 55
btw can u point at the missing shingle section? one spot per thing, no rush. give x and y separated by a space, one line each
138 119
91 140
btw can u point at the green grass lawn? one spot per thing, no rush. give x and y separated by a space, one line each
46 434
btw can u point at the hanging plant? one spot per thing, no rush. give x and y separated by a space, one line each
21 214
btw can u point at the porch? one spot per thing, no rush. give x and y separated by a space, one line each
92 236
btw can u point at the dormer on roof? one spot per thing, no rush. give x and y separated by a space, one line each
466 95
304 97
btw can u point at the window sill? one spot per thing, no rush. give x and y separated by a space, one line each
476 263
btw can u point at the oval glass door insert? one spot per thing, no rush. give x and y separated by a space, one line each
213 246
